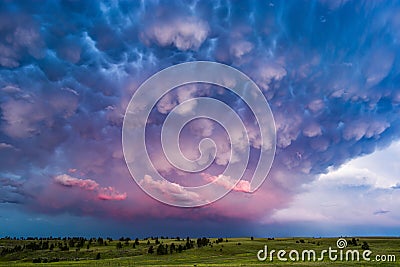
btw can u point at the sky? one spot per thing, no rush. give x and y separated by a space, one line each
330 71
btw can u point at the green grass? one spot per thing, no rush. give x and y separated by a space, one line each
223 254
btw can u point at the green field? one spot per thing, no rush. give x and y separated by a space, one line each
226 252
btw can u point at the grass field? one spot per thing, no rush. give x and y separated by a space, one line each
229 252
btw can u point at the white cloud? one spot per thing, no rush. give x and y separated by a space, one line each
361 192
5 145
11 89
170 190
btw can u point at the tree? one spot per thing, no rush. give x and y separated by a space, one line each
365 246
201 242
45 245
172 248
162 250
151 250
137 241
219 240
81 242
180 248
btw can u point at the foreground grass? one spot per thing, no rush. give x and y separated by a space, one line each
235 252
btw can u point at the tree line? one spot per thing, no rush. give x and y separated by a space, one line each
67 243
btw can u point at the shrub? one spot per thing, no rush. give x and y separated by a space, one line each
54 260
37 260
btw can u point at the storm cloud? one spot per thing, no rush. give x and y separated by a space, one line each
330 72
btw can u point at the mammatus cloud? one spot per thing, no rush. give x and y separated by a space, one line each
22 38
183 33
103 193
68 71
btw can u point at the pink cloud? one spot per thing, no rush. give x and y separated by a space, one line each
70 194
228 182
66 180
109 193
103 193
